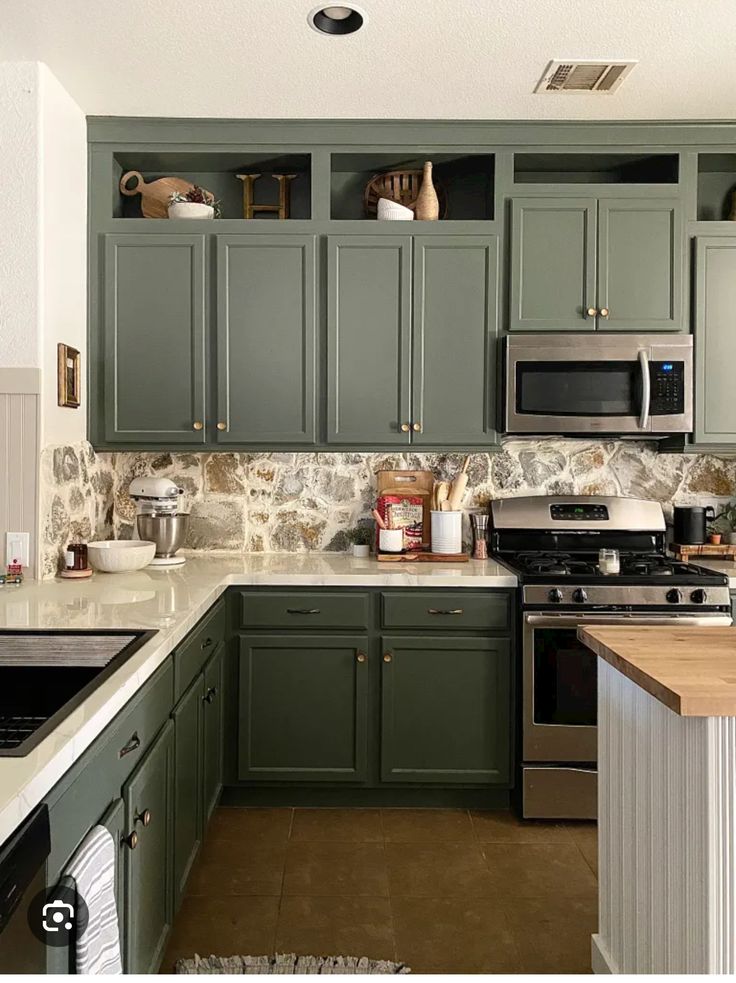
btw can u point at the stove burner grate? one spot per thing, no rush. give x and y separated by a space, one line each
15 729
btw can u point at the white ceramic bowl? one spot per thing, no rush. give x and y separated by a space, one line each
392 211
119 555
190 209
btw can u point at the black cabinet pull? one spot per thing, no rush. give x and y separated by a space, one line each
133 744
210 695
206 643
303 611
444 611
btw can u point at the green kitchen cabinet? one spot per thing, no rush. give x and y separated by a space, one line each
154 339
148 795
454 339
188 765
715 339
583 264
640 264
266 339
553 264
412 325
303 708
213 731
369 339
445 710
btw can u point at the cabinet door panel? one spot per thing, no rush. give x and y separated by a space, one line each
715 340
454 339
369 339
148 867
188 727
553 251
213 731
266 325
303 708
640 264
154 338
445 710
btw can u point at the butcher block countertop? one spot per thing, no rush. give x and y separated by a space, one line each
691 670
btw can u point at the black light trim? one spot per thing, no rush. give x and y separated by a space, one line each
330 25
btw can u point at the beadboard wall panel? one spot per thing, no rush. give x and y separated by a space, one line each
19 456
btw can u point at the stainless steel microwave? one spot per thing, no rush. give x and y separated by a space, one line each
602 383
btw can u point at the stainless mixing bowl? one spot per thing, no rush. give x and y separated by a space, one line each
166 531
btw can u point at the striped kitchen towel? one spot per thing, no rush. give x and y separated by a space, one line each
92 868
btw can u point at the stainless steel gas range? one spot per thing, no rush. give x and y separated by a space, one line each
552 543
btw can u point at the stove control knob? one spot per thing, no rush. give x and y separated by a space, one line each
555 595
698 596
579 595
674 596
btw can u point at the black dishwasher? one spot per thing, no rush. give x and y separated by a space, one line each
23 878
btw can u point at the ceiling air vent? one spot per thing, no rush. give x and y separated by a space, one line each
584 76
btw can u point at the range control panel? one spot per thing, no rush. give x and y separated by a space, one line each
578 512
668 389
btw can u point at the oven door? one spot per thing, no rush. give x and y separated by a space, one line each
560 681
627 385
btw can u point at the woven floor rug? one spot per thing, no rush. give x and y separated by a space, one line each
288 964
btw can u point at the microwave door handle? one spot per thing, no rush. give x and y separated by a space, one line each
646 390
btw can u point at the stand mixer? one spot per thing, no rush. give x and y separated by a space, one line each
159 519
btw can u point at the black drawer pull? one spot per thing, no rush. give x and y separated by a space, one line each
210 695
445 611
206 643
133 744
303 611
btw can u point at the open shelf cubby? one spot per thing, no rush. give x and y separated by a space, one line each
216 172
467 179
716 185
596 168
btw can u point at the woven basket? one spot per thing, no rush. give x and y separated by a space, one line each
400 186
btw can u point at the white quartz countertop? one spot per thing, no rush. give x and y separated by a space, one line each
720 566
172 600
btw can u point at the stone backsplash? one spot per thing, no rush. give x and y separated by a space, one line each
297 502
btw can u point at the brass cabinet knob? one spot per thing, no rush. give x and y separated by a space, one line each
387 657
405 428
198 425
416 427
604 312
131 840
222 426
144 817
360 656
592 311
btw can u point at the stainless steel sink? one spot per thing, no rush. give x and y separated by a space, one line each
44 675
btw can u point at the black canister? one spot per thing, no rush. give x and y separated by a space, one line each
691 523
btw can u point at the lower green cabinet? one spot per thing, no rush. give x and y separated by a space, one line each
303 708
148 797
188 791
445 710
213 737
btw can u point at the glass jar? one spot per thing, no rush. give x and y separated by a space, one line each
75 557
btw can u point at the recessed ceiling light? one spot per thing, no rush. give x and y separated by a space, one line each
336 19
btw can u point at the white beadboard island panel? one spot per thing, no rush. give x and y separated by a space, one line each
667 835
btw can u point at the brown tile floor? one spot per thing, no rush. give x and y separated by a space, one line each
443 890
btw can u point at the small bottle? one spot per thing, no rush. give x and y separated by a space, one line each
75 556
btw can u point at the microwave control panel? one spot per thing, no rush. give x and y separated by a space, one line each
668 388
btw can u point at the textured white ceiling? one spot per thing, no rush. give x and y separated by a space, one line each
414 58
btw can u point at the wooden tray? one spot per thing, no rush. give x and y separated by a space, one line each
723 551
420 557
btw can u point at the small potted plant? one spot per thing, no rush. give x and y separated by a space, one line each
729 517
195 203
361 538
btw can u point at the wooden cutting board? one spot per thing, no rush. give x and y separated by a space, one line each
419 557
154 194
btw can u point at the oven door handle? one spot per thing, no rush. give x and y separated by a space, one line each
623 620
646 390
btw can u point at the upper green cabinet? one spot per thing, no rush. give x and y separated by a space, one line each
266 325
154 339
580 264
401 311
715 339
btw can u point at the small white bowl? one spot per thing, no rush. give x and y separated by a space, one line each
392 211
190 209
120 555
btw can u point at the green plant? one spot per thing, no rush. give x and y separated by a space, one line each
362 534
197 196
